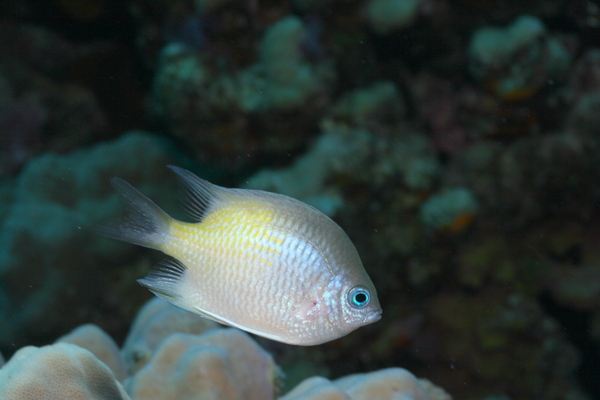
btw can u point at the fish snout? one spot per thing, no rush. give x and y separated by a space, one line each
374 315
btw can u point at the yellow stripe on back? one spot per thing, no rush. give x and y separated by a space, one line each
241 228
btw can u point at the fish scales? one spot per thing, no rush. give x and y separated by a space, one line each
216 261
254 260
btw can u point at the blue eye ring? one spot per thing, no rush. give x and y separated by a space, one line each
359 296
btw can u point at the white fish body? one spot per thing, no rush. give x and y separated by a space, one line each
258 261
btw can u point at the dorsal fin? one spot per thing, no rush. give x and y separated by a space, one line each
198 195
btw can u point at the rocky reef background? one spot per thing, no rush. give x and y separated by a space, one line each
456 141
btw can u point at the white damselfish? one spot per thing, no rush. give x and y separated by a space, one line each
258 261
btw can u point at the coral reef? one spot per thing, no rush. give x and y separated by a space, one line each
102 346
456 142
385 16
289 79
341 152
229 363
497 57
197 97
48 233
154 322
450 209
219 364
389 383
59 371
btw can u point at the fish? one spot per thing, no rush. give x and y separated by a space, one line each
254 260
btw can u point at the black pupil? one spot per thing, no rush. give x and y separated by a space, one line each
360 298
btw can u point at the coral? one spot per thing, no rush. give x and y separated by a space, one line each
535 177
334 151
181 77
478 342
373 107
316 388
490 46
154 322
378 112
45 112
439 105
385 16
289 79
450 209
50 251
21 126
213 365
515 61
58 372
357 152
102 346
584 77
233 114
582 93
583 120
484 259
577 287
217 364
386 384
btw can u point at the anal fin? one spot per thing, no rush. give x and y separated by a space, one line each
210 316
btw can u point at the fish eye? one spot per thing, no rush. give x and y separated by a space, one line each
359 297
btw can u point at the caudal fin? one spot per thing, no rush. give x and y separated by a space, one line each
144 223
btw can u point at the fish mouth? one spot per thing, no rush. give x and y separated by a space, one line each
375 315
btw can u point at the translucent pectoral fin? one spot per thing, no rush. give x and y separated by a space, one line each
164 280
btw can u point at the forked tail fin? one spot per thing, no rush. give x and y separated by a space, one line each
144 223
